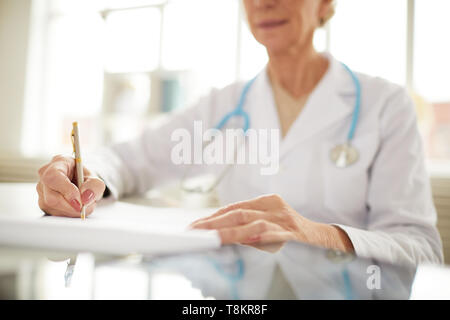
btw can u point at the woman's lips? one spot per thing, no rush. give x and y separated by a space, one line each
270 24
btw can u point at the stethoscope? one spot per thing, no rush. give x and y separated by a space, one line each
237 112
346 154
343 259
342 155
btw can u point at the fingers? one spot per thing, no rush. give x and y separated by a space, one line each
270 237
59 196
90 208
54 200
231 219
249 204
53 203
56 177
262 203
242 234
266 219
92 190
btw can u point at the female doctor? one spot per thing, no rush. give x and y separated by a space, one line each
351 165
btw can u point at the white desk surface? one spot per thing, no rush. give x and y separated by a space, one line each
116 228
48 283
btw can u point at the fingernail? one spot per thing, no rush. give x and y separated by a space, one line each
87 196
75 204
254 239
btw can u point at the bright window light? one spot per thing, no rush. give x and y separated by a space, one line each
253 55
133 40
432 50
370 36
73 79
200 36
432 77
186 47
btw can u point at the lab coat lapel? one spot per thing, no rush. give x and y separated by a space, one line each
262 107
325 106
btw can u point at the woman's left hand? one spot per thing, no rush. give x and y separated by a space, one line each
269 219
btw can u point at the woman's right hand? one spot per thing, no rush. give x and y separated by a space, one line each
58 193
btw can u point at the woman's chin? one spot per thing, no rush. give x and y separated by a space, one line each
274 42
274 46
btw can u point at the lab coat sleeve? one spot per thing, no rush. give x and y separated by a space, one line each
145 162
401 223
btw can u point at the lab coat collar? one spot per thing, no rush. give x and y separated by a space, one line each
324 107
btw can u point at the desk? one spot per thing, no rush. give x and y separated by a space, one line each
297 271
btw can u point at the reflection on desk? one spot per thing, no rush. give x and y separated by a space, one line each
297 271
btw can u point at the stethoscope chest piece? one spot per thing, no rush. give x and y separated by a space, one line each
337 256
344 155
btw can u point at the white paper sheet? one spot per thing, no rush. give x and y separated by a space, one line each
116 228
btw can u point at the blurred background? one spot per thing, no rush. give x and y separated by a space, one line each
116 66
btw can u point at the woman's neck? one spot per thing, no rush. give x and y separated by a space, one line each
298 70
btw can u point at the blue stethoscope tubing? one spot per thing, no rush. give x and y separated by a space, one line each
240 112
357 107
233 278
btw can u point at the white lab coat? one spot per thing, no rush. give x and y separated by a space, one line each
383 202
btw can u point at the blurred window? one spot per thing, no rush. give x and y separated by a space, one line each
432 74
113 64
370 36
199 41
132 40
